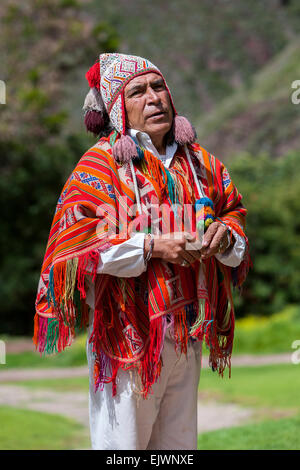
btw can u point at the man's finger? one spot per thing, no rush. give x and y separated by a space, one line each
209 234
218 238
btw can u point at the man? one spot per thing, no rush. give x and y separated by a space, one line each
127 258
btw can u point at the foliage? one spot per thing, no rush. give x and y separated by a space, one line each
51 40
204 52
293 11
39 147
273 334
271 190
32 179
259 115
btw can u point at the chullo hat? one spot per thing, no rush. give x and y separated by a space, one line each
104 104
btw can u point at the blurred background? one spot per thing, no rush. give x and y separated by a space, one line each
230 67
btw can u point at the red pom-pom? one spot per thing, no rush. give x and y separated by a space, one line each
93 76
94 122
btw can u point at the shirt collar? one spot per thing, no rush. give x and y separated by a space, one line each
143 139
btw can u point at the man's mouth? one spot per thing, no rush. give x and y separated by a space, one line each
157 114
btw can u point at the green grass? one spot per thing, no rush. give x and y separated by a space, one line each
73 356
282 434
273 391
273 385
32 430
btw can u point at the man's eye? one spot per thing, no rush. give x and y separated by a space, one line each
135 93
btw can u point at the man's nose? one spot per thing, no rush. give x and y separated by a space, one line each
152 96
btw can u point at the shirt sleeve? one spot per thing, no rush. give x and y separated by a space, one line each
233 256
125 259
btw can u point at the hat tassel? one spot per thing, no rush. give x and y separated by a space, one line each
124 149
184 132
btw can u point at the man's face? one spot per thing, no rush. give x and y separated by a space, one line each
148 107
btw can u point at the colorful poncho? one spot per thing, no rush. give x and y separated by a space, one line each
95 211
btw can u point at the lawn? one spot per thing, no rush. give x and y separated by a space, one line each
32 430
72 356
273 391
282 434
272 385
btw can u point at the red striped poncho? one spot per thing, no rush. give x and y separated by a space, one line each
94 212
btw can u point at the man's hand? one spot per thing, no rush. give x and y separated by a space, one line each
215 240
173 248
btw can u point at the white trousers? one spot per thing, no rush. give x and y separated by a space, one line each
166 419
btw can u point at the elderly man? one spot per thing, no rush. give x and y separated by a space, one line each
127 258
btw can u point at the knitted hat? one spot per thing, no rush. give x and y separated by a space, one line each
105 104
